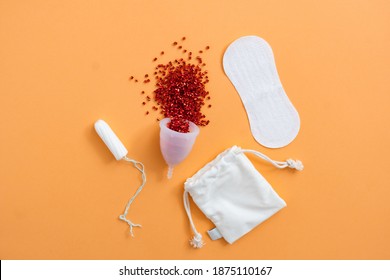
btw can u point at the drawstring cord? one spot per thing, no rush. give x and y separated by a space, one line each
196 241
293 164
138 165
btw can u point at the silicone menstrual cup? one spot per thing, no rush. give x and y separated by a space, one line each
175 146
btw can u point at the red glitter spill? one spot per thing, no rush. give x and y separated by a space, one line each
181 93
180 89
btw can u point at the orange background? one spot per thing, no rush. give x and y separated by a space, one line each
65 64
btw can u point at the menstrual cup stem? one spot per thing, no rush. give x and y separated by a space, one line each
170 172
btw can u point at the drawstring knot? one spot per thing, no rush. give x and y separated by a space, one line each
197 241
295 164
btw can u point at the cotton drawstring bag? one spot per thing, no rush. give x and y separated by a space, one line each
233 194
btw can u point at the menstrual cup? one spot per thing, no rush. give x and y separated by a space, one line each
175 146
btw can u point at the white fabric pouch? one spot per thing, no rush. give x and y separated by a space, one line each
233 195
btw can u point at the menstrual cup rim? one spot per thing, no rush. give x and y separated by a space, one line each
194 129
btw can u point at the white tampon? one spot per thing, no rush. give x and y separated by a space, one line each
120 153
110 139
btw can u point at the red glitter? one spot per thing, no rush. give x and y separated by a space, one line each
180 90
181 93
179 125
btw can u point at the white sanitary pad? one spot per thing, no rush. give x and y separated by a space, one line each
249 63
